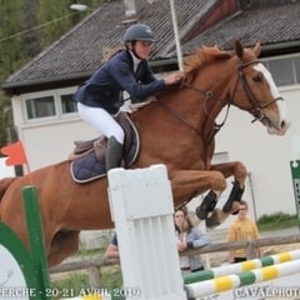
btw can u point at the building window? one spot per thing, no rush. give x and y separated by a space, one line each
50 105
220 157
40 107
68 105
282 71
285 70
297 68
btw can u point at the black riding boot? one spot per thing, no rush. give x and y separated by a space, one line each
113 154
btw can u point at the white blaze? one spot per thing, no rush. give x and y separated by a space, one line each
282 108
274 90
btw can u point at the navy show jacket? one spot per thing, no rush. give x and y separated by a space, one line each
104 88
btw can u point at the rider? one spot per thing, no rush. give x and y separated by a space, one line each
99 98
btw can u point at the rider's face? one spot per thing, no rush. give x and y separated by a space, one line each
143 48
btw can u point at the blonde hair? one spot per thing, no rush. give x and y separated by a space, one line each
243 202
108 53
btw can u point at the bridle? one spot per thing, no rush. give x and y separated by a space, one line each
256 109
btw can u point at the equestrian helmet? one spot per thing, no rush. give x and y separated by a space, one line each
138 32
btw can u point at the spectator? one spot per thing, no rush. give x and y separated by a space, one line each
242 229
112 250
189 237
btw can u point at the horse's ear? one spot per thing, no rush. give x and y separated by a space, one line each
256 49
239 49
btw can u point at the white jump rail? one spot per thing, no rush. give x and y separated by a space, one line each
142 208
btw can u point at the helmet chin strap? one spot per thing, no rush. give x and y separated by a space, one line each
132 49
135 54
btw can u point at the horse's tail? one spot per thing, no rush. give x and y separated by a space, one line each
4 184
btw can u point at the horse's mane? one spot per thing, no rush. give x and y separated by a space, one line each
203 56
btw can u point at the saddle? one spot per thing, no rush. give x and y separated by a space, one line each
88 157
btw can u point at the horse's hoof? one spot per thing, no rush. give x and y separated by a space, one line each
208 204
212 221
235 210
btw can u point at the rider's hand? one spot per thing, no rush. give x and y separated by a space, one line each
173 78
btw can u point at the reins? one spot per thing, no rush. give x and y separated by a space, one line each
208 95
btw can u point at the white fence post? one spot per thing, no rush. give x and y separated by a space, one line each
142 208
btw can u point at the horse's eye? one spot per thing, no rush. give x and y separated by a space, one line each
258 78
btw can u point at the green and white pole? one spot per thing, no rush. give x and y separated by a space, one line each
226 283
242 267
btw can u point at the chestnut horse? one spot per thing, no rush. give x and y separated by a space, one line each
176 130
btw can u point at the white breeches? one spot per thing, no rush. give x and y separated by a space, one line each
102 121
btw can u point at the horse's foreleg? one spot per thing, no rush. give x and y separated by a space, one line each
239 173
235 168
219 216
189 183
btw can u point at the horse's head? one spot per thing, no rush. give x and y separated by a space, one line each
256 92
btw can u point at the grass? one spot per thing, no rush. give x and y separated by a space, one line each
72 286
77 284
277 221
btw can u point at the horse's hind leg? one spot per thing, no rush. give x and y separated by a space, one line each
63 245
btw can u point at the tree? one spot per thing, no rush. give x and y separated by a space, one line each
10 24
26 28
10 44
31 41
54 14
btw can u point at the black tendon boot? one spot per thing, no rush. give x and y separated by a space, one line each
113 154
208 204
235 195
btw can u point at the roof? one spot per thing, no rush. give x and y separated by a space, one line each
79 53
275 27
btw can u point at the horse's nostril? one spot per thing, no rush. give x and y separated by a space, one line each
283 124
